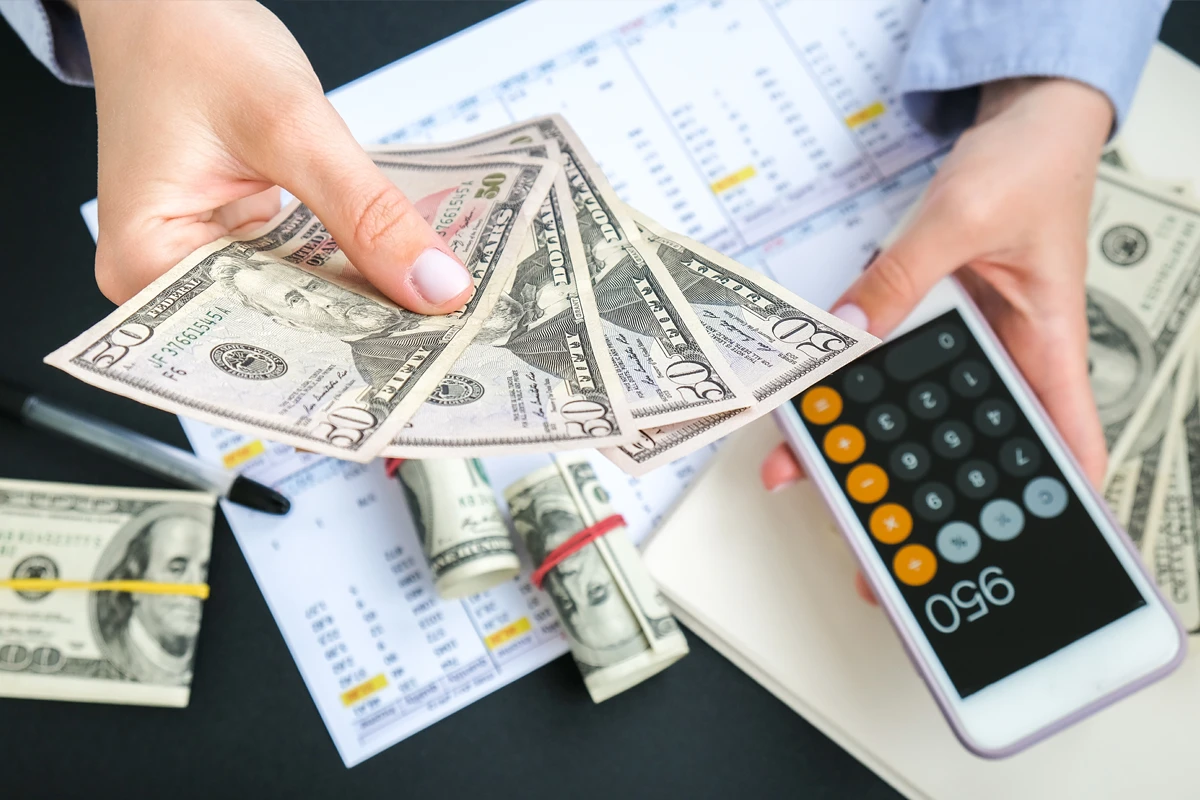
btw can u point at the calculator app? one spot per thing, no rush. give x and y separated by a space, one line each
993 552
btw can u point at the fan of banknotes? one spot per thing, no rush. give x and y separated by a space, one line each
1144 325
590 325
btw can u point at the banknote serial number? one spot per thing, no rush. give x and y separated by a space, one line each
182 341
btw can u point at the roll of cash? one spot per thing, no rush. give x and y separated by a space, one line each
616 621
120 635
460 526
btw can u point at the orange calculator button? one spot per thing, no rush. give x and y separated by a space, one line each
821 405
844 444
914 564
867 483
891 524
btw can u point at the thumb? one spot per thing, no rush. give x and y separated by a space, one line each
933 246
380 231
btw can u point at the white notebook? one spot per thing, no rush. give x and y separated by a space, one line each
768 582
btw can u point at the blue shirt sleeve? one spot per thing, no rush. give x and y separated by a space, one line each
52 32
959 45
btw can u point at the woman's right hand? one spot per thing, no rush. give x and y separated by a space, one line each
204 110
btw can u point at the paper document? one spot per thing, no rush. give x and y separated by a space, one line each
767 129
345 578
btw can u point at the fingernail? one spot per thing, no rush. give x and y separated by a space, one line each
779 487
437 277
848 312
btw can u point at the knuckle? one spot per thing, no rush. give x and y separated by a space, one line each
107 277
383 214
970 209
894 279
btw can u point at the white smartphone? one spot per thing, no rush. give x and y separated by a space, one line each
1020 600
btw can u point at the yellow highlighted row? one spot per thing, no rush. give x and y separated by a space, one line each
243 454
364 690
865 114
199 590
508 633
732 179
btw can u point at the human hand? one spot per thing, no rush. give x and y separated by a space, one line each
1008 209
204 110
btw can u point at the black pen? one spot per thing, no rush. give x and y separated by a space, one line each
142 452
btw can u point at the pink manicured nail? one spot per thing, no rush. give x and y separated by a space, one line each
437 277
848 312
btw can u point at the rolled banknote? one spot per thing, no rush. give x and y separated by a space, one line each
133 643
617 624
459 523
279 336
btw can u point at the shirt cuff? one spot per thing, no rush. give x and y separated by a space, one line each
959 45
53 33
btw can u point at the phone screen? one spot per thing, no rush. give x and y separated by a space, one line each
994 554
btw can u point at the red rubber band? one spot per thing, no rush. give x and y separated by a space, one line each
391 465
573 545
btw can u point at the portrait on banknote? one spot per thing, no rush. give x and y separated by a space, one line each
151 638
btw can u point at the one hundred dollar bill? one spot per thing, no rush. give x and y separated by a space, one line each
617 624
1170 542
538 375
777 343
100 646
459 523
279 336
669 369
1143 284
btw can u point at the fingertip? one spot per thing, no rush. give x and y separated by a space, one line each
864 589
780 468
440 280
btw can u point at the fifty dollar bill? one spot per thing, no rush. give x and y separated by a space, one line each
668 368
777 343
279 336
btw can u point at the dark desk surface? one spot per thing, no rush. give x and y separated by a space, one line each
703 729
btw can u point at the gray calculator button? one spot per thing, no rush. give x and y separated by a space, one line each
952 439
925 352
1002 520
886 422
970 379
909 462
928 401
933 501
1020 457
863 384
958 542
977 479
995 417
1045 497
